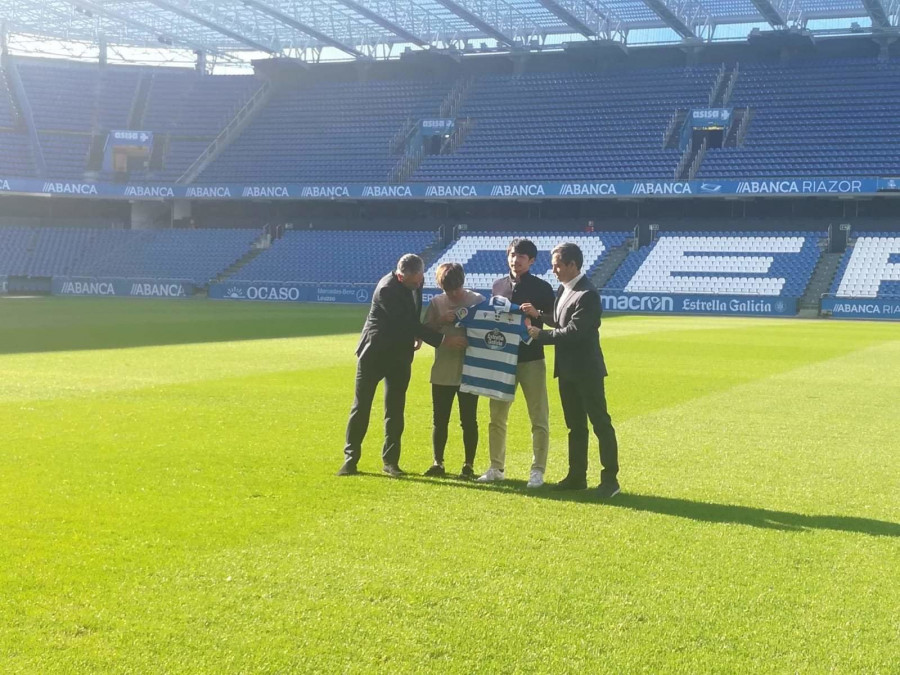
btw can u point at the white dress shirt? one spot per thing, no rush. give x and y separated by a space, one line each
568 287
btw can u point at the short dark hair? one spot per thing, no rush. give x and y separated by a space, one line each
450 276
410 263
569 253
523 246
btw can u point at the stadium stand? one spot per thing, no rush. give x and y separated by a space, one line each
7 110
333 256
814 118
78 97
809 118
751 263
15 147
483 255
195 255
870 268
65 155
188 111
184 103
74 102
15 154
571 125
335 132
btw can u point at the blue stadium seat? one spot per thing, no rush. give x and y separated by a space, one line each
333 256
722 263
195 255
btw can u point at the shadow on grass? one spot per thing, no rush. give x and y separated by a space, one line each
74 324
683 508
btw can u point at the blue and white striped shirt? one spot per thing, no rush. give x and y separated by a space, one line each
494 329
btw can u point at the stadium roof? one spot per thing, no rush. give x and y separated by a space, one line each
371 29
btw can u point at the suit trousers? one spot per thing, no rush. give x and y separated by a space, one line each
583 400
531 376
370 370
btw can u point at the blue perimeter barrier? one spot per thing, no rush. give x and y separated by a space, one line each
885 309
287 291
670 303
455 191
121 287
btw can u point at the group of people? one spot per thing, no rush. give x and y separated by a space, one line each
568 319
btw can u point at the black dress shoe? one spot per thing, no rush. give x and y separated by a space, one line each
570 483
348 469
393 471
607 490
436 471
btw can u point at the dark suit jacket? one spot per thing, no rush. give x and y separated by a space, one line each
576 333
393 325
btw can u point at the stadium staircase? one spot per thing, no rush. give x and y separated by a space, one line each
238 264
738 130
719 85
721 95
672 134
692 158
414 154
611 262
139 104
232 130
690 161
432 252
820 282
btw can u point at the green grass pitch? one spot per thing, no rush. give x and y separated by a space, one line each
168 504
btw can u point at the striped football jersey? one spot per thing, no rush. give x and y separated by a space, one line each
494 329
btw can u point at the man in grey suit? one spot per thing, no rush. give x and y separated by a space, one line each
580 369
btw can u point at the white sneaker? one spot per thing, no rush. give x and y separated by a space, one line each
491 476
536 479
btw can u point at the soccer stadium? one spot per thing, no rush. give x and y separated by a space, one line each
200 204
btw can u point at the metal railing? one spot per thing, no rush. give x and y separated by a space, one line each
670 127
400 139
729 90
685 158
742 128
406 166
240 119
716 85
453 100
698 159
457 137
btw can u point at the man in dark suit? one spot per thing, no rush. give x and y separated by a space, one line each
391 334
580 369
